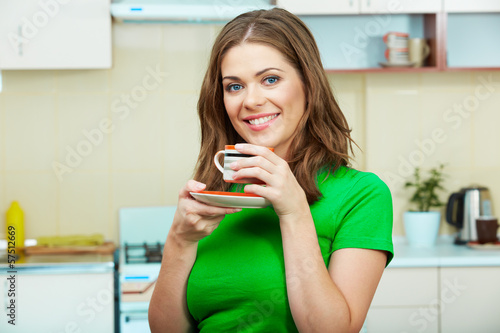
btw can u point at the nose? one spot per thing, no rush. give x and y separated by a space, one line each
254 98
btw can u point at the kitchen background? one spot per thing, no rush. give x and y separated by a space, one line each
77 145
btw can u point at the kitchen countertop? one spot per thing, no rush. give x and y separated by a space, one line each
60 263
443 254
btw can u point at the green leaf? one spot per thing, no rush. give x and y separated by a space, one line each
425 194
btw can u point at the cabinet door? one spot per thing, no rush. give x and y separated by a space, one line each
467 6
58 303
470 299
55 34
407 287
405 301
320 7
417 319
400 6
472 40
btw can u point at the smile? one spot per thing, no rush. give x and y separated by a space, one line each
263 120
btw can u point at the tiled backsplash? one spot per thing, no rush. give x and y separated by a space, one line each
76 146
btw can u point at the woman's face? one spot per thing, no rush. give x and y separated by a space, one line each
263 95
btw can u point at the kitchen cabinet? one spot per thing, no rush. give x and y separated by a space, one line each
353 43
470 299
436 299
55 34
58 297
328 7
445 289
462 35
401 295
467 6
400 6
473 41
320 7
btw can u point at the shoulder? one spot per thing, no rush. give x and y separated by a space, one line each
352 182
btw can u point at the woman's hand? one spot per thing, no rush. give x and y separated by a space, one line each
194 220
281 186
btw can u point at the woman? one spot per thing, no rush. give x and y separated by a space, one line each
312 261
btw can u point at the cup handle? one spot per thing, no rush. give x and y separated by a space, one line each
216 161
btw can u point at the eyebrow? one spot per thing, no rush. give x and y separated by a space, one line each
256 74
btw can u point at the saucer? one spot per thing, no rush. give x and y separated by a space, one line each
230 199
396 64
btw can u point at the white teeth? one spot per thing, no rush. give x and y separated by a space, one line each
262 120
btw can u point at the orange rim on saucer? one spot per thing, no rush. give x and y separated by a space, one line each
230 193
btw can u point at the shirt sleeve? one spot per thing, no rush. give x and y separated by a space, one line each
366 217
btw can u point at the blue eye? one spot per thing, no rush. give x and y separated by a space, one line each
271 79
234 87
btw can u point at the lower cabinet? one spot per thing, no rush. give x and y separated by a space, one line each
405 302
437 300
57 303
470 299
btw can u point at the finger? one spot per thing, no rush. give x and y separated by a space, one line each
249 162
247 148
257 189
254 172
191 186
202 209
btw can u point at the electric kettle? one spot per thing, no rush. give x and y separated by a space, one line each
464 207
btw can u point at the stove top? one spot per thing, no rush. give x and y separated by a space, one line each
143 231
143 253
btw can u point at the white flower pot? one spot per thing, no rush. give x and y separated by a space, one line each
422 228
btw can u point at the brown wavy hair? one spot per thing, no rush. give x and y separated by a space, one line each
322 139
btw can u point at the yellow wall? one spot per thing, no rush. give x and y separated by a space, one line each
126 137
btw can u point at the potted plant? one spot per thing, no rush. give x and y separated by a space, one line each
422 225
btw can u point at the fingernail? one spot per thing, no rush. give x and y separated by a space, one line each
236 210
233 165
238 145
200 186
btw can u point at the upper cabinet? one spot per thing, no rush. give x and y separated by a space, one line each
468 6
57 34
342 7
399 6
472 34
462 34
320 7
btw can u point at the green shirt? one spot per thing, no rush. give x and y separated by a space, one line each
237 283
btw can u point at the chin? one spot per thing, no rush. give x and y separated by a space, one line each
263 143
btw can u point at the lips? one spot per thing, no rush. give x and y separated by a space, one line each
260 121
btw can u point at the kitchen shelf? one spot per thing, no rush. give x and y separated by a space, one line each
353 43
458 41
468 69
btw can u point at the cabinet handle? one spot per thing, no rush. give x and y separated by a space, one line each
350 3
368 3
132 318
